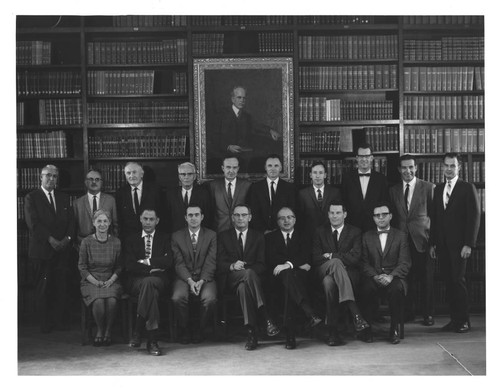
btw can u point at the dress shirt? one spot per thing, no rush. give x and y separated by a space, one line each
139 192
48 197
322 190
233 186
363 180
243 237
236 111
189 192
383 238
269 186
411 190
97 198
284 238
196 233
144 236
339 229
453 181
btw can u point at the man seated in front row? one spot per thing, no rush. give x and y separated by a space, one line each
194 249
385 263
147 257
287 258
240 265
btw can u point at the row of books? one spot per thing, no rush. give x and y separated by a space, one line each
137 146
275 42
134 82
348 47
31 83
20 113
478 173
443 19
339 19
433 171
33 53
480 194
348 77
50 144
427 140
444 49
444 107
28 177
382 138
55 112
335 169
320 109
122 112
137 52
241 20
320 142
208 44
149 21
443 79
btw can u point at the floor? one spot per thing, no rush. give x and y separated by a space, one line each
425 351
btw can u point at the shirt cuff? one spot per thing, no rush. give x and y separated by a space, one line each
290 263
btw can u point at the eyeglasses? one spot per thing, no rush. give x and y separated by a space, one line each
381 215
50 175
186 174
240 215
364 156
288 217
93 179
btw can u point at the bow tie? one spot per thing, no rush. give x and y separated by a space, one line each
382 232
364 174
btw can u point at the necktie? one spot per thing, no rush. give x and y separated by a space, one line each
148 246
240 242
380 232
336 240
364 174
320 196
94 204
238 115
52 202
186 200
229 194
407 192
273 193
288 239
136 201
193 241
448 194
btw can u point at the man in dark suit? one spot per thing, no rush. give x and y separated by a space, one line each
412 206
133 198
287 257
85 206
314 200
194 249
454 227
226 193
50 221
362 189
385 263
147 256
189 192
240 266
336 256
266 197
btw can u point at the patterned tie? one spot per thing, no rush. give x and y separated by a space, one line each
186 200
136 201
229 194
407 192
320 196
52 202
148 246
336 240
193 241
94 204
273 193
448 194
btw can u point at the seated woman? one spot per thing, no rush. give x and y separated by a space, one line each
100 267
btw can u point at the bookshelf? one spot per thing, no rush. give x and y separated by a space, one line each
97 91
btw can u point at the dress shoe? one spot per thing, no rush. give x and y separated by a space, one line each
271 328
106 341
98 341
428 321
251 341
135 341
394 335
366 336
315 320
463 328
153 348
334 338
290 343
360 324
450 327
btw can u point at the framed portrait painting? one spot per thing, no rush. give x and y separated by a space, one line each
243 108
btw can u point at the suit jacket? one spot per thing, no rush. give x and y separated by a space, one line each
161 254
83 214
220 203
202 262
228 252
277 252
128 220
458 225
176 210
349 245
394 260
311 213
417 220
43 222
263 213
359 210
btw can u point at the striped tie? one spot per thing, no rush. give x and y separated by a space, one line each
193 241
448 194
148 246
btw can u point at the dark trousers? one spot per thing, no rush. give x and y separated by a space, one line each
248 287
148 290
453 268
421 275
371 292
52 290
181 297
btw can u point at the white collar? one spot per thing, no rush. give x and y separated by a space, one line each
144 233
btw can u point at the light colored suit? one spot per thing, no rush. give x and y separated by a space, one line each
83 214
220 201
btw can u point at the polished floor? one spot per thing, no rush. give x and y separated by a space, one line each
424 351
